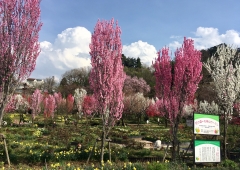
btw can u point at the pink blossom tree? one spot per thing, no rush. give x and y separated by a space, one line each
177 82
107 75
135 85
19 48
49 106
60 103
58 100
36 102
11 104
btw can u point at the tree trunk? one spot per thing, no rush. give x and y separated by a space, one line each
103 138
123 124
166 122
3 102
1 114
175 140
2 107
225 135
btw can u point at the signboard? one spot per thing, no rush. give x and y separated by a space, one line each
207 151
206 124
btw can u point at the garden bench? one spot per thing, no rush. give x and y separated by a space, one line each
234 155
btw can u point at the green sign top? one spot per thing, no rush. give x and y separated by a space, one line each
199 116
211 142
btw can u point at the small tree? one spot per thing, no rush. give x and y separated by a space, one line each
224 68
36 101
79 95
135 85
136 105
70 102
177 82
49 106
19 104
19 47
107 76
89 106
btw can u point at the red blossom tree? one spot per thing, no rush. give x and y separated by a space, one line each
177 82
89 105
70 102
107 75
152 110
19 48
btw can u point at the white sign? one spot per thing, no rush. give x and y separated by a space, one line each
207 151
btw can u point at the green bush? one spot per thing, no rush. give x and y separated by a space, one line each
230 164
157 166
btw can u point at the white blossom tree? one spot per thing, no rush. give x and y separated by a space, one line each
201 107
79 95
224 68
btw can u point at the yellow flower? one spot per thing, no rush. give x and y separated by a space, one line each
68 164
134 168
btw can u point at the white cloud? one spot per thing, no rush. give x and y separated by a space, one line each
146 52
206 37
174 45
70 50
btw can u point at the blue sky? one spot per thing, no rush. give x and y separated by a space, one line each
147 26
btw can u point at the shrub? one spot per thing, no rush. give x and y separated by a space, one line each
229 164
157 166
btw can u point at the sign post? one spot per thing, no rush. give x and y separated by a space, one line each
206 151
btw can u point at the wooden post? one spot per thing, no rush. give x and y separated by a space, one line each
194 153
6 150
165 152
